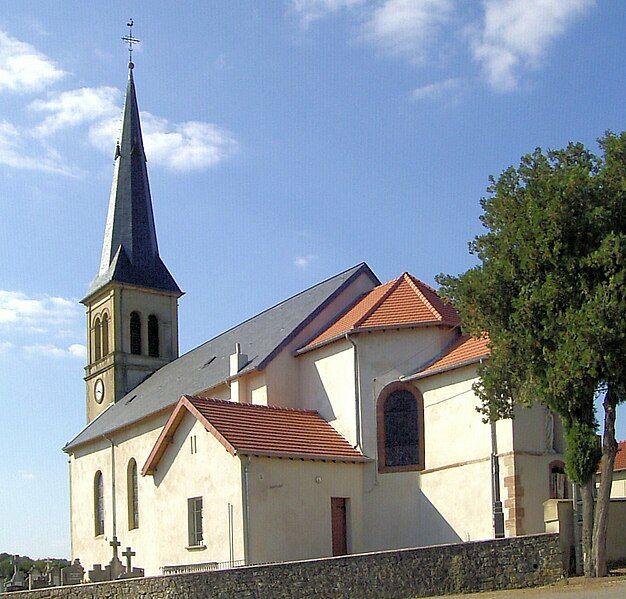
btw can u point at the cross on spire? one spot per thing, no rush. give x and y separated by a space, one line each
131 40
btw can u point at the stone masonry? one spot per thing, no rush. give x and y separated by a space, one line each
477 566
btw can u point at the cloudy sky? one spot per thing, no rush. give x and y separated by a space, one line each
286 141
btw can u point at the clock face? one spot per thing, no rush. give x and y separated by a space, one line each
98 390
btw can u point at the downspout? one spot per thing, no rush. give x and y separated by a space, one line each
246 511
113 502
69 467
357 393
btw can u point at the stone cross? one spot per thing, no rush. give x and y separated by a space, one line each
128 554
115 544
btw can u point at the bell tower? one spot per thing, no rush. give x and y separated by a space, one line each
132 304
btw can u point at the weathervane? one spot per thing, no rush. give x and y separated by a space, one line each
131 40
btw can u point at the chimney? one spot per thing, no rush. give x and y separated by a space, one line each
237 385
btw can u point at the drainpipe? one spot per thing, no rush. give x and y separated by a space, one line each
113 502
498 515
357 393
69 467
246 511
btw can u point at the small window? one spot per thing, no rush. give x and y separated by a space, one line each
400 429
97 339
135 333
105 335
558 481
194 510
153 336
98 504
133 495
194 444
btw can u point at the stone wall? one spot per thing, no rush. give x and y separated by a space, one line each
476 566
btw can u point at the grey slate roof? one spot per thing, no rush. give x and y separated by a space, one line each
260 337
130 253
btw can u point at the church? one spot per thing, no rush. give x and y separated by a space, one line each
341 420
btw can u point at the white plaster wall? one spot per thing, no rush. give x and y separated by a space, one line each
618 488
134 442
290 515
213 474
327 386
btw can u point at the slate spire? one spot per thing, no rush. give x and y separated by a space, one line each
130 253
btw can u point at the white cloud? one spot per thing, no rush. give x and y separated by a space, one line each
5 346
26 475
304 261
16 152
408 27
37 314
53 351
188 146
515 35
313 10
437 90
23 68
75 107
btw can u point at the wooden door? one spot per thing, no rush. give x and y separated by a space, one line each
338 518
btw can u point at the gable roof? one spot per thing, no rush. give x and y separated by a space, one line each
250 429
401 302
463 351
261 338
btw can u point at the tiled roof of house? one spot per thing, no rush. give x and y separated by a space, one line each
260 337
462 352
250 429
620 458
404 301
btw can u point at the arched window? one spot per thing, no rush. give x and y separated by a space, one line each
105 334
135 333
97 336
559 485
98 504
400 429
133 495
153 336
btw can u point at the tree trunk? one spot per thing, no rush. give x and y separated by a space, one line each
609 450
586 493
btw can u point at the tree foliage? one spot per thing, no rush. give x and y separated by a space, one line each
550 290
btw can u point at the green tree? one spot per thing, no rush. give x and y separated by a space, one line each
549 289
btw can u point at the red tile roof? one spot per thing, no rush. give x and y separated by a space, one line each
404 301
620 458
466 350
258 430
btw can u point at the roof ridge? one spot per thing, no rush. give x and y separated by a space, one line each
414 283
355 268
394 284
250 405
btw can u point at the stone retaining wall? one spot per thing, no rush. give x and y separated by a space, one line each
408 573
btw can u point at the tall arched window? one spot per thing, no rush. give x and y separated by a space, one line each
98 504
400 429
133 495
153 336
97 339
135 333
105 334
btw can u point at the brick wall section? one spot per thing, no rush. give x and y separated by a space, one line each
477 566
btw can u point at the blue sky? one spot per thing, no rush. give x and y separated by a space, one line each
286 141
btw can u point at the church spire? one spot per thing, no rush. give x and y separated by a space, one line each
130 252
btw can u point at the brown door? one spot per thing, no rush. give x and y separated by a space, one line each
338 516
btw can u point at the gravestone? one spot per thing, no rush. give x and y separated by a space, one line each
18 580
36 579
98 574
115 566
52 575
73 574
130 571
